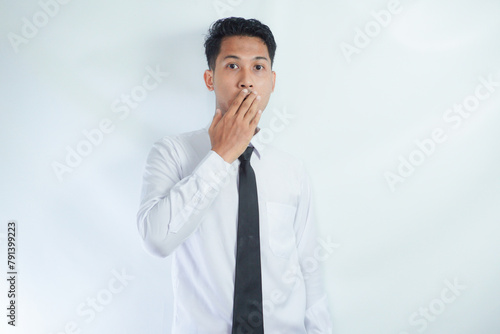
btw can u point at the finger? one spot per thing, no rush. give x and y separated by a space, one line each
255 120
235 105
252 110
247 104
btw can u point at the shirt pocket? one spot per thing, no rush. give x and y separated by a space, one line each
280 219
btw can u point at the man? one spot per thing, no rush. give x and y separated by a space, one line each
197 203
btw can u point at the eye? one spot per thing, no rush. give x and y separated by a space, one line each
259 67
232 66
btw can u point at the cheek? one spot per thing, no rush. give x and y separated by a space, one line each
263 102
223 99
267 86
266 91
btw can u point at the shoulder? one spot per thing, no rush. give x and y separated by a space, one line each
178 142
184 150
181 138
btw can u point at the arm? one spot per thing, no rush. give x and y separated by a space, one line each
171 208
312 250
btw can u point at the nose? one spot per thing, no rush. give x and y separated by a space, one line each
245 80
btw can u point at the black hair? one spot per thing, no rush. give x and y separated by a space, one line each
236 26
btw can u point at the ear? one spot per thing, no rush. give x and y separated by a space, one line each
208 76
274 80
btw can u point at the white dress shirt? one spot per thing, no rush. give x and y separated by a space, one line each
189 210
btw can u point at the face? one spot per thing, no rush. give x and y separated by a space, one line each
243 62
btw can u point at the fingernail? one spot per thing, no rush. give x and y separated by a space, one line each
258 97
255 92
245 90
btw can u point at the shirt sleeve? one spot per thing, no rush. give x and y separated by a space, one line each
172 207
312 253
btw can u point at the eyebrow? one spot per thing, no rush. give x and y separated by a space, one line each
238 58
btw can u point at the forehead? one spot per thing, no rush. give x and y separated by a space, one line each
243 46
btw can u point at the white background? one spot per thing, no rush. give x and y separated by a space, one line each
354 119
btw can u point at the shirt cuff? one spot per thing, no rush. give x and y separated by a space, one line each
214 170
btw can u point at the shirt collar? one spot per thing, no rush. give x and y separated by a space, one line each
257 141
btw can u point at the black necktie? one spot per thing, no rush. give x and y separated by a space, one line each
247 308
